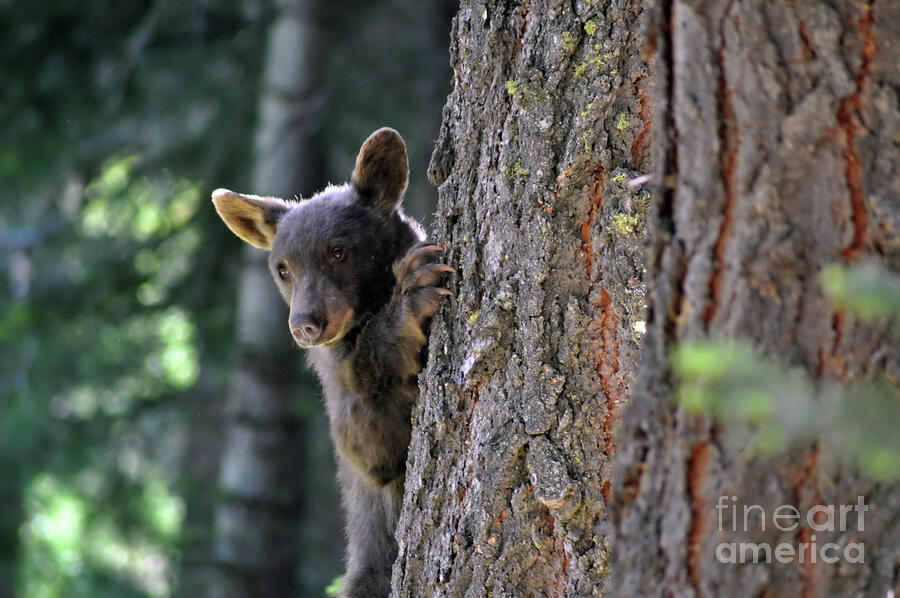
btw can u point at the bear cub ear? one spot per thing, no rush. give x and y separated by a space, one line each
252 218
382 170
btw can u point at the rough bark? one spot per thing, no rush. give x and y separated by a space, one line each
546 123
259 510
777 138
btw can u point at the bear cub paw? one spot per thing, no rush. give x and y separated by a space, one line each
418 274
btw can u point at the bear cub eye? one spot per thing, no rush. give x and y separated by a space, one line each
282 272
338 254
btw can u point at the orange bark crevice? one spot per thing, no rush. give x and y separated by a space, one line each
808 51
697 477
728 164
593 208
831 362
554 555
639 146
604 491
849 115
806 484
607 364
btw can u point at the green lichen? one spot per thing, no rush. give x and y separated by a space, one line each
587 109
590 27
515 170
580 69
586 141
626 224
473 317
619 178
623 122
512 87
569 41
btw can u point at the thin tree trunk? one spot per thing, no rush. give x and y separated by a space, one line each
11 517
547 121
777 133
261 478
199 471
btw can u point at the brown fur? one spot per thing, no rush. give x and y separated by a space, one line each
361 283
381 173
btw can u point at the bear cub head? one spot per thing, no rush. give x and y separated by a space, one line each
331 255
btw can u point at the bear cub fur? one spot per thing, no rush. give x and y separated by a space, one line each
361 282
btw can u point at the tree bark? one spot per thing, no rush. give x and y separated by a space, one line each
261 480
546 124
777 154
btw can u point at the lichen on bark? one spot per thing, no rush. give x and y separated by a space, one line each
529 367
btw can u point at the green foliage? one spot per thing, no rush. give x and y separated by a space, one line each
65 537
868 424
109 114
730 382
334 587
867 290
771 408
97 365
117 281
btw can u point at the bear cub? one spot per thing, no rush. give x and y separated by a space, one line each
361 282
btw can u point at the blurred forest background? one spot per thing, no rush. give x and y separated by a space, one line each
119 285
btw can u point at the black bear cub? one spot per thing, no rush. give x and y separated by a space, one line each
361 281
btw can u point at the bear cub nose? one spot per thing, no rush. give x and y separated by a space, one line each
307 328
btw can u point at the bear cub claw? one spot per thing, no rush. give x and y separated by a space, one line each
418 275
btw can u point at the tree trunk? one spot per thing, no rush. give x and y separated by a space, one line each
777 137
545 126
261 479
